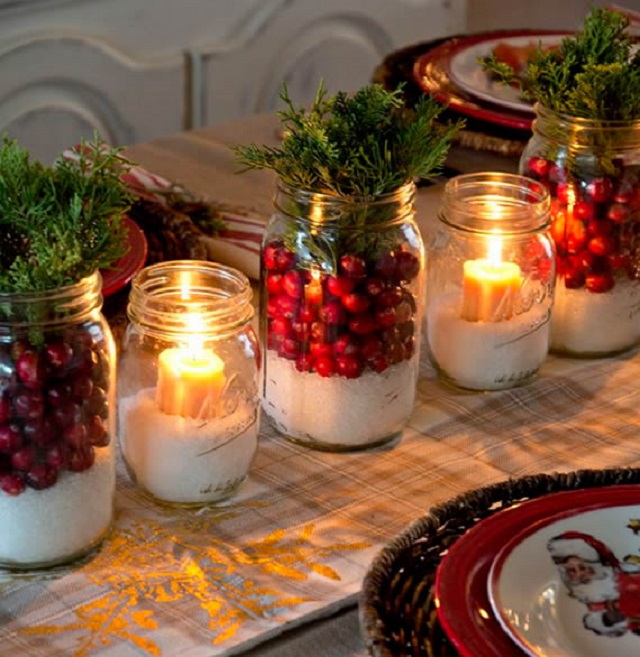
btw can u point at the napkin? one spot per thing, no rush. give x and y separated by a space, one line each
235 243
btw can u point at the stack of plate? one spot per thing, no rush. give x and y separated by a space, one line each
451 72
555 576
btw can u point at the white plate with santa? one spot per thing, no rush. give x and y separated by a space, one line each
569 585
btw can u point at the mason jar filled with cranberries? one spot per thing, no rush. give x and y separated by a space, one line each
341 290
57 463
592 170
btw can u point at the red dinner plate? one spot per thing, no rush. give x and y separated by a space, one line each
461 586
130 263
461 91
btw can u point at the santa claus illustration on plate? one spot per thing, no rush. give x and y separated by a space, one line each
592 573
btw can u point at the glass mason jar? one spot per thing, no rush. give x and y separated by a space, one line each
57 456
592 169
341 286
490 281
188 395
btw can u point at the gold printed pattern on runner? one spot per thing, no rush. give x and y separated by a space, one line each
225 581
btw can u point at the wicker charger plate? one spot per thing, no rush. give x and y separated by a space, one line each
397 610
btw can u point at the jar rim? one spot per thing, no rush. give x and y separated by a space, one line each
489 201
90 283
164 294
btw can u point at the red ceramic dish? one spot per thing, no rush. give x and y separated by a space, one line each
432 73
129 264
461 585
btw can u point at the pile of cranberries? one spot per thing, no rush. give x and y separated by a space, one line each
594 223
53 407
360 317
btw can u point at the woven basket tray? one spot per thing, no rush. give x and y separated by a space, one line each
397 611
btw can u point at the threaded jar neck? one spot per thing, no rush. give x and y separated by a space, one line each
486 203
167 297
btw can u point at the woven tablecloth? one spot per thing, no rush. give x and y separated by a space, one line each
296 541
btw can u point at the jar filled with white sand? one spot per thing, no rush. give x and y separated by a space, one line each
57 425
188 399
490 281
342 282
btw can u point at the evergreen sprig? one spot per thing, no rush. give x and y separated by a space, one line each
58 224
592 75
362 145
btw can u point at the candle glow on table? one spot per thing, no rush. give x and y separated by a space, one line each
490 286
190 377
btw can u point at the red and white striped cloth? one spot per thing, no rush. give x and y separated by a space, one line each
237 245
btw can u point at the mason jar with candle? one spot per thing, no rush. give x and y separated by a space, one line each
188 399
490 281
342 280
57 424
592 170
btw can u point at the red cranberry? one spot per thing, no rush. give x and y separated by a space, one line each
10 438
385 266
289 349
602 245
281 326
304 363
362 324
562 192
67 413
585 260
340 285
24 458
406 330
538 166
601 282
379 363
81 387
75 434
385 317
353 266
288 306
98 403
325 366
292 284
574 279
269 255
28 404
346 345
349 366
301 330
82 459
39 432
12 483
599 227
274 283
618 213
57 393
273 308
5 409
374 286
600 189
371 346
390 297
18 347
41 476
58 355
619 260
321 332
395 352
407 266
584 211
30 369
321 349
308 314
86 360
355 302
56 457
332 312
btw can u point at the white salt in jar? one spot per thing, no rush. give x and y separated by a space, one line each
57 425
490 281
188 399
341 304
